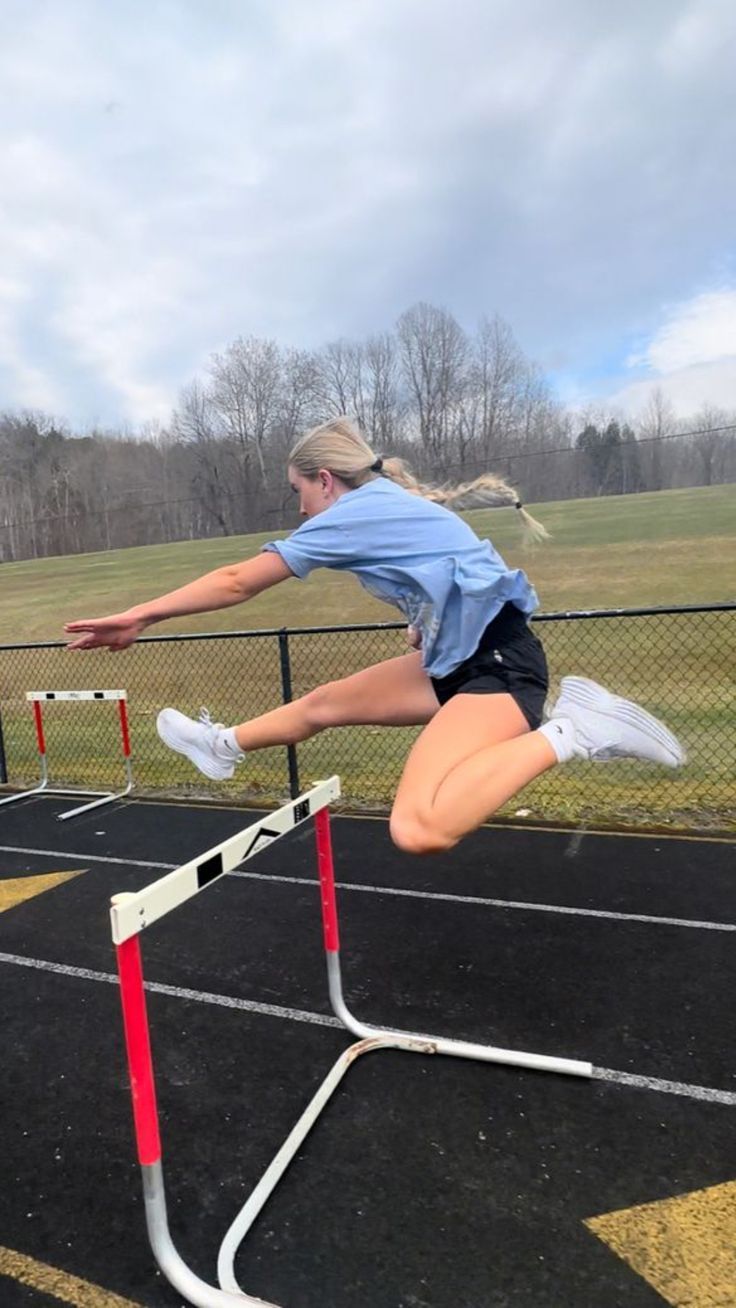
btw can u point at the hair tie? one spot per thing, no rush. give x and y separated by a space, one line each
376 467
518 504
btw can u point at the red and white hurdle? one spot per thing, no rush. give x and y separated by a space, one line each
131 914
40 697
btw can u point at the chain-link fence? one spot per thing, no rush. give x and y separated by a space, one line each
679 663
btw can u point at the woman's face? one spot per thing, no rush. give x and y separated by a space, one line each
315 493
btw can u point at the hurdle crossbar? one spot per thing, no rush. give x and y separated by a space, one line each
40 697
130 914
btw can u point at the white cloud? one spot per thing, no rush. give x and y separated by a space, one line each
688 390
699 331
690 358
176 175
696 38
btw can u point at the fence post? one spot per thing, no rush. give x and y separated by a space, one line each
286 694
3 764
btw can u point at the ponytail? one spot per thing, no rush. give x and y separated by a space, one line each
485 492
339 446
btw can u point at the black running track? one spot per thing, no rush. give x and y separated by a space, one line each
428 1182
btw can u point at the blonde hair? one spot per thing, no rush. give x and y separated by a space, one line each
339 447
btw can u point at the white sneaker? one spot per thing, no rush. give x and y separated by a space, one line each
608 727
200 741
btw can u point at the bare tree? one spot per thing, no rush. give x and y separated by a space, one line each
244 390
195 422
657 421
385 409
299 395
336 364
363 379
709 447
434 354
447 402
498 374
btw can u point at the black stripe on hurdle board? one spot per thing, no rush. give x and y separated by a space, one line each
212 868
131 913
76 695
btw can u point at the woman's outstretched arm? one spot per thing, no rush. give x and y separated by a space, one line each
216 590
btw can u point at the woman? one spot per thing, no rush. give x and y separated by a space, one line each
477 678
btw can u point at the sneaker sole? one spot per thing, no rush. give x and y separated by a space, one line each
200 761
588 694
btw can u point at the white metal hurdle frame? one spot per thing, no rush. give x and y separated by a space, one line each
131 913
39 697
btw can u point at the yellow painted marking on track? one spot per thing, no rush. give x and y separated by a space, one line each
60 1285
684 1247
15 890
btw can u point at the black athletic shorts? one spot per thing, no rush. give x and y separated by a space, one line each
509 660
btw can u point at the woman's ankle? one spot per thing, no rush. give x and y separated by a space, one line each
230 740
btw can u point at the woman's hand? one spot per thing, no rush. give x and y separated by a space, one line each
116 632
414 637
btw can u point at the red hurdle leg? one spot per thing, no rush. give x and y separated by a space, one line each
138 1045
122 706
39 727
326 869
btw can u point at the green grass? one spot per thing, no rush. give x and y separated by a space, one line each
676 547
668 547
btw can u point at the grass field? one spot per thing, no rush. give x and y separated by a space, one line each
668 547
675 547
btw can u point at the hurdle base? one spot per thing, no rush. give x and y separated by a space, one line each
102 797
23 794
239 1228
371 1040
444 1044
173 1267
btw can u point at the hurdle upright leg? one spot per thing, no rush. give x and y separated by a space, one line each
148 1140
439 1044
130 914
41 744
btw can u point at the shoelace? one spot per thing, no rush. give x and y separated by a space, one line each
221 750
206 720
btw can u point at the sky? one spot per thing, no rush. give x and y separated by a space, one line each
174 175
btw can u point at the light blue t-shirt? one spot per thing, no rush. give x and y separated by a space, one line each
419 557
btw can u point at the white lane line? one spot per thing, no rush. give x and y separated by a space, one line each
503 903
88 858
703 1093
178 992
693 923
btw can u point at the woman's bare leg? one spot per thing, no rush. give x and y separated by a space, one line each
395 693
475 754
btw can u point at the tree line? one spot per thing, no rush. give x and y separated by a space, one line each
452 403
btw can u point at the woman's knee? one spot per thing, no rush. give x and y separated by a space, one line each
416 835
321 706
